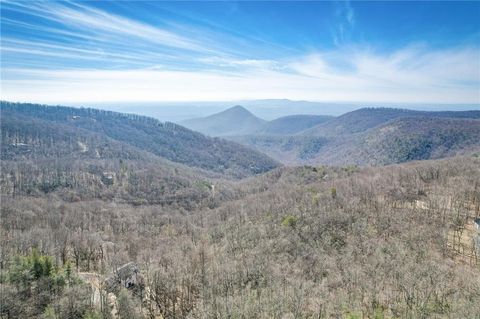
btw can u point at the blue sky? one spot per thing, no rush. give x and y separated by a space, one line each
104 51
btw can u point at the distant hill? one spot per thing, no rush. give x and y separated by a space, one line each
408 139
292 124
402 140
375 136
366 118
167 140
234 121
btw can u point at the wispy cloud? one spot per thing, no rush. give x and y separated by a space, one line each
85 54
409 75
344 22
101 25
236 63
77 31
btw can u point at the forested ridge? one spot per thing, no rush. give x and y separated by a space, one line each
40 157
366 118
168 140
78 206
292 124
375 136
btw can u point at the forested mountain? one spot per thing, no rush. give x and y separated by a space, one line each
403 140
367 118
375 137
234 121
167 140
291 124
44 158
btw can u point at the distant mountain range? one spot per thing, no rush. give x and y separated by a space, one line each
365 136
267 109
248 145
238 120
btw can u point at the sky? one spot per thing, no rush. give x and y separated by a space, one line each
339 51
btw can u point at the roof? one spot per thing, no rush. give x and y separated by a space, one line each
127 270
122 274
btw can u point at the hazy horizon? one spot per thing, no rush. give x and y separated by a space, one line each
268 109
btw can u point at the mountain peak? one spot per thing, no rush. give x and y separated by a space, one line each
232 121
237 109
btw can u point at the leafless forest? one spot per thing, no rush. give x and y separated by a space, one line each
305 242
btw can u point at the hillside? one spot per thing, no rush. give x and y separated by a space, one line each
287 149
423 138
167 140
403 140
291 124
319 242
43 158
366 118
234 121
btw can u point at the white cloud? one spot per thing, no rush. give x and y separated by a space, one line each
313 65
239 63
411 75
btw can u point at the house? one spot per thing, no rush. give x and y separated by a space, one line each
476 242
476 238
127 276
108 178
